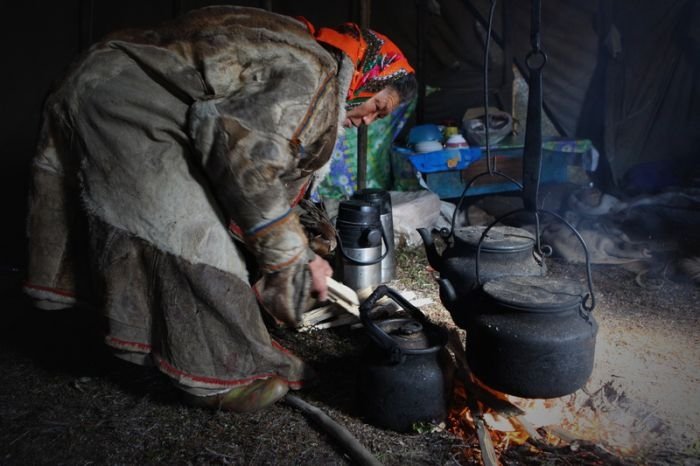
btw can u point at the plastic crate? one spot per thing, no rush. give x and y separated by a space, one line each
447 172
442 160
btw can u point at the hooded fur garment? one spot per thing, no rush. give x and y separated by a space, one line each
153 146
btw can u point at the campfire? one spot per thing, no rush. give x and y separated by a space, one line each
592 428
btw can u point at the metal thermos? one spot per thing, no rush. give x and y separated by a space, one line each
359 244
382 200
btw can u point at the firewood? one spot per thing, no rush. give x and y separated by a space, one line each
488 451
320 314
345 319
340 292
522 423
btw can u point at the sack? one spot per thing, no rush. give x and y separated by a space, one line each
500 125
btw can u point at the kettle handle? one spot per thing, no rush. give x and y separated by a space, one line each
396 354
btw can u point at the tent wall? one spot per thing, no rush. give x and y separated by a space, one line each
622 72
41 38
649 70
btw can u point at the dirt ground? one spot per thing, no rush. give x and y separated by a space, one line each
65 400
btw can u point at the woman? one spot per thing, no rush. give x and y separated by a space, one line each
161 145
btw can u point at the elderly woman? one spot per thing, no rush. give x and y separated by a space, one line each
168 164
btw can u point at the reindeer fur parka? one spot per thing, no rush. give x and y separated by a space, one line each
158 147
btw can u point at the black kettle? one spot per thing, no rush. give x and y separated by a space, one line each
531 336
504 251
404 378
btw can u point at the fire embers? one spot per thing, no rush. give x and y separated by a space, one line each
602 427
492 438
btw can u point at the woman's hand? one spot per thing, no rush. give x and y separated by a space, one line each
320 270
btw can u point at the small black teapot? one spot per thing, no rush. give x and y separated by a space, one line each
404 378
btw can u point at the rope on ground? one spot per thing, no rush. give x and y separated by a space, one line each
353 447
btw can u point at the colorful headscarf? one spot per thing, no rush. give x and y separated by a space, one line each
378 61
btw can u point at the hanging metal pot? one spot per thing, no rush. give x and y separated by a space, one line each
505 251
530 336
402 380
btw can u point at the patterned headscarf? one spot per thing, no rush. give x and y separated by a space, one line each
378 61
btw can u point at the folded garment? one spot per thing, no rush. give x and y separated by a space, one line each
603 247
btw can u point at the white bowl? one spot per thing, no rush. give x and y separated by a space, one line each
456 139
428 146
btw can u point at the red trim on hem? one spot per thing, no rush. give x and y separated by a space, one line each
66 293
168 368
173 371
124 343
281 348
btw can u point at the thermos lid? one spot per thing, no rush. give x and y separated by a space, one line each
499 238
535 293
357 211
376 197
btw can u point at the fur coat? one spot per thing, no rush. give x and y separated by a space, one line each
158 147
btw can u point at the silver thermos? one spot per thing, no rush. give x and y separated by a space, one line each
382 200
359 244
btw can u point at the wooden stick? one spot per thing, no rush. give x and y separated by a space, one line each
337 322
521 422
488 451
339 291
355 449
562 433
319 314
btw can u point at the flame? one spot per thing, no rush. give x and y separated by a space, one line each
597 418
577 417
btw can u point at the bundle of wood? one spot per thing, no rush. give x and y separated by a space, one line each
343 307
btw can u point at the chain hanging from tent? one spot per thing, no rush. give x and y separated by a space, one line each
491 169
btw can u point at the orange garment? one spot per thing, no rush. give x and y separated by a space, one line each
378 61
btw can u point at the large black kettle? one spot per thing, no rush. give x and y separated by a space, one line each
529 335
404 378
504 251
532 337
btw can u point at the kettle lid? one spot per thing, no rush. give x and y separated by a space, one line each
408 334
498 239
535 293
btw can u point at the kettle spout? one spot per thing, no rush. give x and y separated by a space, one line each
434 258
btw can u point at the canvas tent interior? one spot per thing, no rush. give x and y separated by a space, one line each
622 73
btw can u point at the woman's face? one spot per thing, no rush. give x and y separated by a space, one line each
379 105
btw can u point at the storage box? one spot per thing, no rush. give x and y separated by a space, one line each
447 159
447 172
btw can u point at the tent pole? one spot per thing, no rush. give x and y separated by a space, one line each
365 9
421 15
